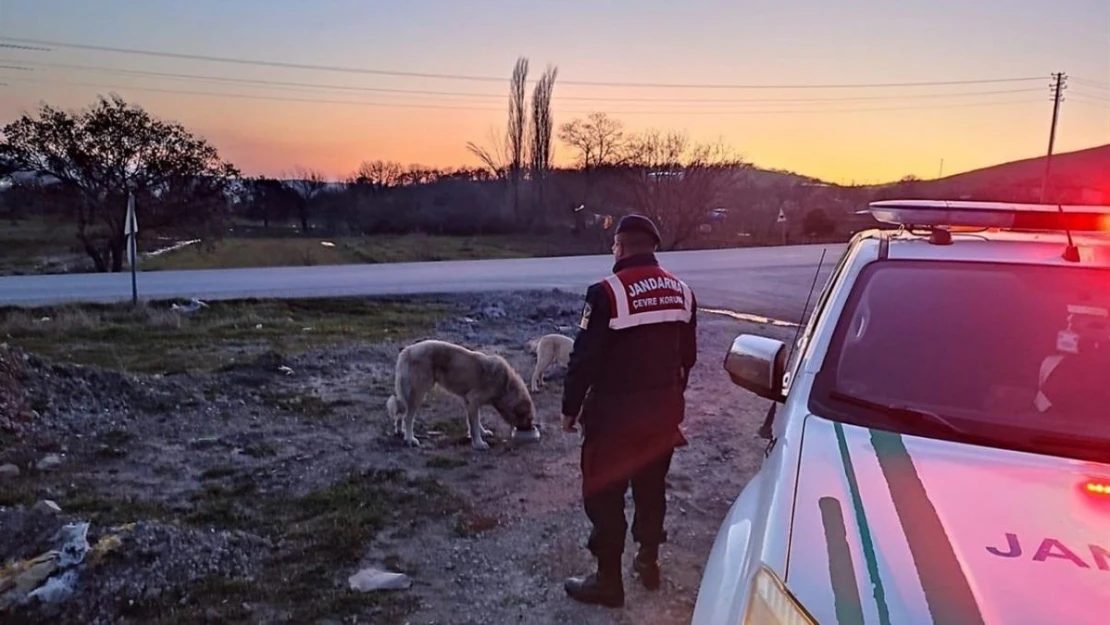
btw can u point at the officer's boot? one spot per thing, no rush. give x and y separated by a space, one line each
605 587
646 566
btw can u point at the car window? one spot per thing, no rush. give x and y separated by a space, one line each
1015 353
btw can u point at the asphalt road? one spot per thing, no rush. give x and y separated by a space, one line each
769 281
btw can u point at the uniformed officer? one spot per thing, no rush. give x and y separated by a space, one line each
625 384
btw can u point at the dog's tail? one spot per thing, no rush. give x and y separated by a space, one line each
396 404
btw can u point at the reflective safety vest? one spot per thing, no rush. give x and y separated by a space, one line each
645 295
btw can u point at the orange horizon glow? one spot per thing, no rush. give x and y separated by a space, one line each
858 135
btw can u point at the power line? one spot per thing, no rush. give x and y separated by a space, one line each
1092 83
381 72
1100 105
500 109
1095 96
350 88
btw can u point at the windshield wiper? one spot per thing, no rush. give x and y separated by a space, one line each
904 414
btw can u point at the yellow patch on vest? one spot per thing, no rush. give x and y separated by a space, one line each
585 321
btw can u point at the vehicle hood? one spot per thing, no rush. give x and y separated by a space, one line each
891 528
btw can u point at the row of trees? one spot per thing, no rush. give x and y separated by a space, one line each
82 166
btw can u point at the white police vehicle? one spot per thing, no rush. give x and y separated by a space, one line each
940 454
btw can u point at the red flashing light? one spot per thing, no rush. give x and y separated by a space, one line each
1002 215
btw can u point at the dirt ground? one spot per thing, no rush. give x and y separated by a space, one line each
256 491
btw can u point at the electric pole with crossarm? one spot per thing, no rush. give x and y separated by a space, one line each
1059 82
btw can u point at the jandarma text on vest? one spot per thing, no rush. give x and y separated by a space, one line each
651 284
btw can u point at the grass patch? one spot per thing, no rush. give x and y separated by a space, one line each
155 339
422 247
307 405
236 253
445 462
25 245
320 539
451 428
322 534
218 472
296 252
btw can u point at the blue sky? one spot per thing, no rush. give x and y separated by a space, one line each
711 42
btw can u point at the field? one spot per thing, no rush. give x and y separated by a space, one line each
284 252
38 247
35 247
246 472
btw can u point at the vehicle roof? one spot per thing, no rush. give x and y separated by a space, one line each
1041 248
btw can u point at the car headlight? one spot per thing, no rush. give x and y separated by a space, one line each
772 604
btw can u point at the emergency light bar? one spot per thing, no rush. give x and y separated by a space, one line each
1010 216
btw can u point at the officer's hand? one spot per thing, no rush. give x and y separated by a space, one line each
568 423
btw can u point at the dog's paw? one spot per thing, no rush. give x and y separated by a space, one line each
479 444
412 442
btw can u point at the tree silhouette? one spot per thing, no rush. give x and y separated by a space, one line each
542 147
100 153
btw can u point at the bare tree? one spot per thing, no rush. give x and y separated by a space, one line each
416 174
542 146
677 182
599 141
516 138
377 176
495 158
309 185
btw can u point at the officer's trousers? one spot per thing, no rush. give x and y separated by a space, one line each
609 466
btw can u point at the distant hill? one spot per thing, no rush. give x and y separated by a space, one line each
1082 177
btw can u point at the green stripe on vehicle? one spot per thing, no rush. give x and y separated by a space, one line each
842 572
943 581
864 530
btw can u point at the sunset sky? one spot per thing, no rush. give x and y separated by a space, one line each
331 120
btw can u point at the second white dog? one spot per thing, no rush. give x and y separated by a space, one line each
550 349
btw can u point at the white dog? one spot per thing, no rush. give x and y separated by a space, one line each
550 348
478 379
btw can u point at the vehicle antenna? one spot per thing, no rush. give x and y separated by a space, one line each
1071 253
765 429
816 274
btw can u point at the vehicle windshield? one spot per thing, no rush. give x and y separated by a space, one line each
1010 355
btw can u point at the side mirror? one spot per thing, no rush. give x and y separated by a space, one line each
757 364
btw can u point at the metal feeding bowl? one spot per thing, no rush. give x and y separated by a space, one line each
526 436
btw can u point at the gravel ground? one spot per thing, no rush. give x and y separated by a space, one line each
253 487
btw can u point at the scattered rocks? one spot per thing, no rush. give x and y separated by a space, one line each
46 506
129 567
187 455
49 462
14 404
371 579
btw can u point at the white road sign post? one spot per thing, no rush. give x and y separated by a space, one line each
782 220
130 233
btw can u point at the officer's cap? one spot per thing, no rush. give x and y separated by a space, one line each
639 223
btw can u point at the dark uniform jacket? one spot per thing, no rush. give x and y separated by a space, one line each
635 347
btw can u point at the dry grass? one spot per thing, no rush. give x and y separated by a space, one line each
155 339
289 252
236 253
25 246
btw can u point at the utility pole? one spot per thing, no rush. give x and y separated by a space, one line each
1059 81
